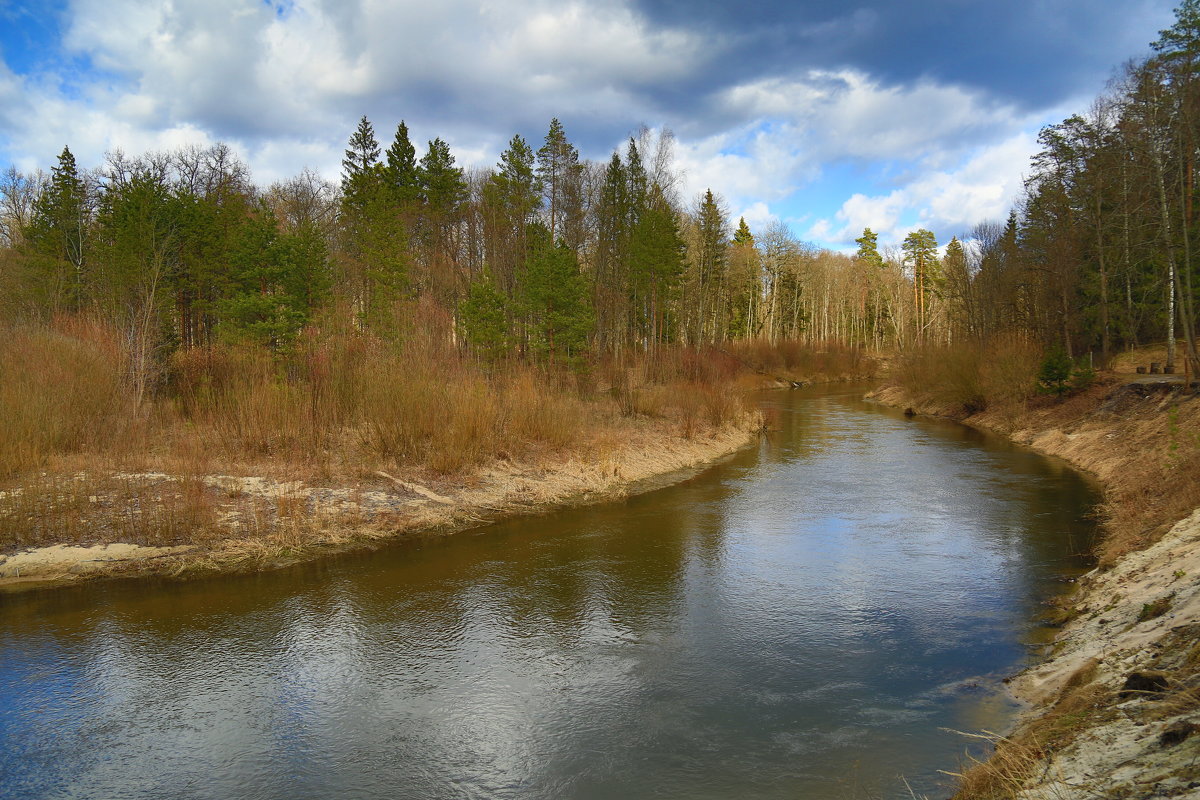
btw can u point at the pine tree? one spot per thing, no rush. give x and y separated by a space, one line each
362 154
263 304
485 319
511 199
59 231
556 300
560 173
868 249
920 251
401 168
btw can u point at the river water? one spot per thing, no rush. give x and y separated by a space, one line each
811 619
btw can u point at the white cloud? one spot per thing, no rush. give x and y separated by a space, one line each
757 215
949 202
286 88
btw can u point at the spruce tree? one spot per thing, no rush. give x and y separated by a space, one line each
742 235
560 173
401 168
59 232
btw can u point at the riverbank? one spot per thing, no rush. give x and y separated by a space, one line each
1114 711
243 523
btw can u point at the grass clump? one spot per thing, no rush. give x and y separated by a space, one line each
1156 608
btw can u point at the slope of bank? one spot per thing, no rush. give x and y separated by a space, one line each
230 523
1115 709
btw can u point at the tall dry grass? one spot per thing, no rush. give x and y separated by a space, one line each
61 391
798 360
971 376
342 404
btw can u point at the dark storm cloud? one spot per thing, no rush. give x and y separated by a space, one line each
1030 53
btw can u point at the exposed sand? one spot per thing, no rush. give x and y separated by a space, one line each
309 520
1127 436
70 561
1123 757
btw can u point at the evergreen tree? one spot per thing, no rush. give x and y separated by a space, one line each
868 249
710 259
485 319
59 232
511 199
744 283
362 153
264 304
610 259
920 252
556 300
656 263
560 172
959 295
401 170
374 241
742 235
443 193
639 182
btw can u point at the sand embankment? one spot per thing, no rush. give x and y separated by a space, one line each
1115 707
252 523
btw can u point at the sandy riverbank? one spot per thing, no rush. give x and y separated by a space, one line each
1115 709
252 523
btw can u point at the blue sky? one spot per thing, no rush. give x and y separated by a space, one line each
828 115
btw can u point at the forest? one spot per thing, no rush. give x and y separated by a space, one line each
555 263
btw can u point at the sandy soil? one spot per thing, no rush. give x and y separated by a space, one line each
261 524
1137 614
1123 756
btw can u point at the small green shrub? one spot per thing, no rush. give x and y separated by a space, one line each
1054 375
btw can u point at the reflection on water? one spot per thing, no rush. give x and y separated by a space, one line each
803 621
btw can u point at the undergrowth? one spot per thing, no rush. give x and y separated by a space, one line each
338 406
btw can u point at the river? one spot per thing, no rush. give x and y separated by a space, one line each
811 619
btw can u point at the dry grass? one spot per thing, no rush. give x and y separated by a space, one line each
1003 775
795 360
61 391
971 376
84 509
339 408
1017 760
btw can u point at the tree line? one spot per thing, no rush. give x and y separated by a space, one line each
1098 254
545 257
552 258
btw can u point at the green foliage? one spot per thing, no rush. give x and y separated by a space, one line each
276 281
1054 375
400 171
362 153
920 252
485 322
742 235
59 232
868 249
557 301
560 173
443 187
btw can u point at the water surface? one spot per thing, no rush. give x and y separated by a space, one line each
803 621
